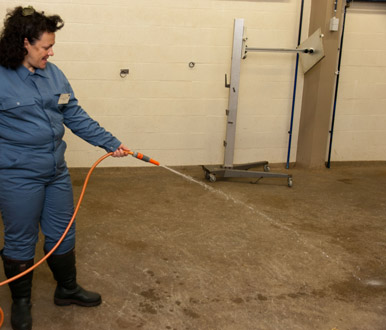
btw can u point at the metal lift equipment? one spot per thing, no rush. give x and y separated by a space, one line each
310 52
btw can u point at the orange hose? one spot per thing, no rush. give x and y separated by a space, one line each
67 229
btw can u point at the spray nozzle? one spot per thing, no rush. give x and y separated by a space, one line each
143 157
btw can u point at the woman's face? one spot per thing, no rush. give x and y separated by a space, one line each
39 52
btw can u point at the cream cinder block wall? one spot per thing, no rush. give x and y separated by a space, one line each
360 127
163 108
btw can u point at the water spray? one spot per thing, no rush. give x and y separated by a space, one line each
134 154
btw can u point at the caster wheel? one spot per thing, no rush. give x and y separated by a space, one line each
266 168
212 177
290 182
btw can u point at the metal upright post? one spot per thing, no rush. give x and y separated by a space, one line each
229 142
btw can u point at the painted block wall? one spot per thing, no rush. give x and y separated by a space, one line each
164 108
360 128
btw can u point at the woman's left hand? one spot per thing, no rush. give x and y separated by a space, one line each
122 151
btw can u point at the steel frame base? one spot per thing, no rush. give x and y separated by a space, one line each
213 172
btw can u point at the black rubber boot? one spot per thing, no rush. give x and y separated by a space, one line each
21 318
68 291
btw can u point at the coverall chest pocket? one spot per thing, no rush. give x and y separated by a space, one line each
16 104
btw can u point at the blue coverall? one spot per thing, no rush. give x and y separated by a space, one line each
35 186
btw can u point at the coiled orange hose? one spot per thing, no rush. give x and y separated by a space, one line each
134 154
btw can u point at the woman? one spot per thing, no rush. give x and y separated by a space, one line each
36 100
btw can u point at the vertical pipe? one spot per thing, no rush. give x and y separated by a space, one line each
295 84
328 165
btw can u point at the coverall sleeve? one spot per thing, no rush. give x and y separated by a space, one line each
81 124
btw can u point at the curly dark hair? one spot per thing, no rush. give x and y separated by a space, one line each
23 23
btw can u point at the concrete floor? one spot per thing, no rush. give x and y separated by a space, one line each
166 252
